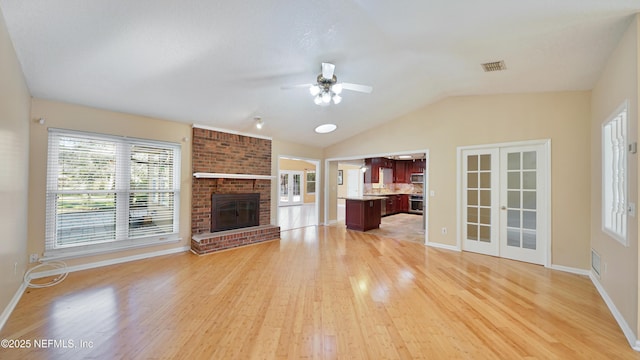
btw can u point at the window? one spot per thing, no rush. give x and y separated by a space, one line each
106 192
311 182
614 175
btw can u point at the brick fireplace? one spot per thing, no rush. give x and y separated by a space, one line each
228 157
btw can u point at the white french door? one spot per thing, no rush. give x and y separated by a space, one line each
505 201
480 198
290 192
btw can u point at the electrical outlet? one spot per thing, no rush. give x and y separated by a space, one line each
444 231
15 268
33 258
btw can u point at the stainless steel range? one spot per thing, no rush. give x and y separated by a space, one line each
416 203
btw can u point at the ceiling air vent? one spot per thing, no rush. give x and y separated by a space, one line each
494 66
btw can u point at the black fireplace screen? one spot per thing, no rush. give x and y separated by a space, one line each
234 211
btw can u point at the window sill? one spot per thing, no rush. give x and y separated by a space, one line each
106 248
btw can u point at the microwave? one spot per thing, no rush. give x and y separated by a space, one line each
417 178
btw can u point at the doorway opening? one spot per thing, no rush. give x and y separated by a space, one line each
401 178
297 192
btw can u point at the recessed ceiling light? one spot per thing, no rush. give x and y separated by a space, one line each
326 128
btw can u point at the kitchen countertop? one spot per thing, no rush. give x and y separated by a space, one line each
364 197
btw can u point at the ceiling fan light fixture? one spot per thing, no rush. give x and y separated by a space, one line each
336 88
326 97
336 99
314 90
317 100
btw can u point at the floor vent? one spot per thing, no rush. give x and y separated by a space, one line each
595 262
494 66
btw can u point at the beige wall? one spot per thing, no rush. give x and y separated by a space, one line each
304 166
74 117
298 151
618 82
15 102
471 120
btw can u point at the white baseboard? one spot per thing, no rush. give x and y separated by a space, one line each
120 260
626 329
443 246
571 270
14 301
12 304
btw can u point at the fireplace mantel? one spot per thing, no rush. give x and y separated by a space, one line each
205 175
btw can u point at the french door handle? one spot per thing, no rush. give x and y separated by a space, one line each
503 208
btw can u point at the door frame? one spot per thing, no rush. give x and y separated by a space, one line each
319 184
331 193
546 143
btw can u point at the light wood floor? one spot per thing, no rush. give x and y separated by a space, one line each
321 292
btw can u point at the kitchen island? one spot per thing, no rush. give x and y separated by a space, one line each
363 212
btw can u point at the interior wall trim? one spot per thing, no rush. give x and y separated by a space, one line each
626 329
571 270
442 246
120 260
12 304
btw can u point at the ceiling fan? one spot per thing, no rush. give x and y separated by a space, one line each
327 88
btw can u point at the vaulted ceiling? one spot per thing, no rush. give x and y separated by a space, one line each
221 63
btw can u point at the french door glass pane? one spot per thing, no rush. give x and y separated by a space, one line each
513 180
485 162
472 163
472 215
513 238
529 160
472 232
529 240
513 161
485 234
472 180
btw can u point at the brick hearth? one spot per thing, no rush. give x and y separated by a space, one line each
211 242
219 152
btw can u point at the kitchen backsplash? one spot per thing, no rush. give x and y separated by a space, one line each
393 189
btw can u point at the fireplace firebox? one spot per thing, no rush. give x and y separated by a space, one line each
234 211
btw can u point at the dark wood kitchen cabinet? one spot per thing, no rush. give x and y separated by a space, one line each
418 166
363 215
391 205
403 201
372 175
373 168
401 174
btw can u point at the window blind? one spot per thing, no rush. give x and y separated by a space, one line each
103 189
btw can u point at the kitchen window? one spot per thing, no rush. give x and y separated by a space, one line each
106 192
311 182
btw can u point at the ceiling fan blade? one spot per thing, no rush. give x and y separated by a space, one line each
357 87
287 87
327 70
